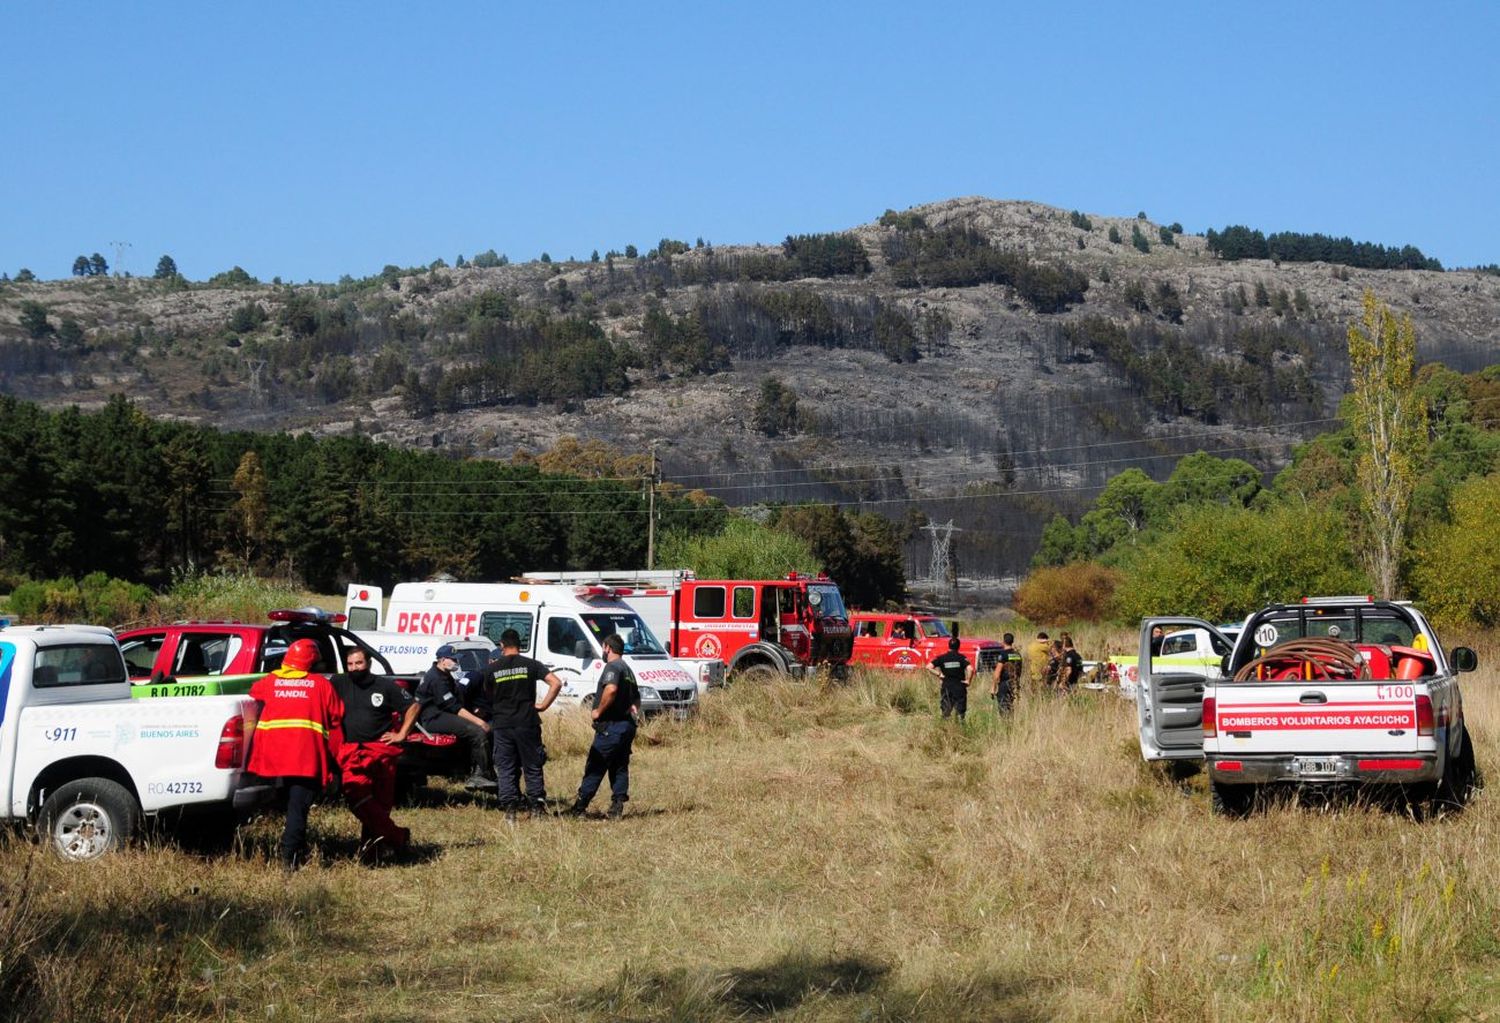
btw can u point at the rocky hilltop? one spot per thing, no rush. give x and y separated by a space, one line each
989 362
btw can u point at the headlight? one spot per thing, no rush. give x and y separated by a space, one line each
649 693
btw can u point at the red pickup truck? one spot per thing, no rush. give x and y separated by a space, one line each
209 658
905 641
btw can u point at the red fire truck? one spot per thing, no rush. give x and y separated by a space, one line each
755 627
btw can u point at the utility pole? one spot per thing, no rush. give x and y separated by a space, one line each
940 572
120 248
651 482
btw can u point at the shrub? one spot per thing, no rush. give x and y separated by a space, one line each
1080 221
1221 562
1457 568
1082 591
96 599
227 595
1114 234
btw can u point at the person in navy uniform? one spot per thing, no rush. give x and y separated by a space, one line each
443 712
956 672
617 706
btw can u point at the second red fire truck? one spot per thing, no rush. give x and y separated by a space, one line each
754 627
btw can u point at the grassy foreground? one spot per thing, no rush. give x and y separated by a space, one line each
803 855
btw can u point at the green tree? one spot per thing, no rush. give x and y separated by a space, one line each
1388 414
1222 562
744 549
24 276
69 333
863 553
630 252
97 266
81 267
166 269
1138 239
1114 234
1457 568
34 321
775 408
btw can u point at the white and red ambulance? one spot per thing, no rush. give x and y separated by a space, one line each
560 625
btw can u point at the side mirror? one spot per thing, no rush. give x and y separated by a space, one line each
582 650
1463 659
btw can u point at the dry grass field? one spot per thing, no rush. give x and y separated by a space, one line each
803 855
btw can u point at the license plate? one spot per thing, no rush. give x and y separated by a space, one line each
1316 766
681 713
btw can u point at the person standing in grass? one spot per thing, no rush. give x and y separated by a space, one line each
296 728
1034 663
1003 682
516 723
617 706
955 671
1071 669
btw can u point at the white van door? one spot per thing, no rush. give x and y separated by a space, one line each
1169 699
564 645
362 604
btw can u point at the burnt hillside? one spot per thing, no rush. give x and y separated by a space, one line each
989 362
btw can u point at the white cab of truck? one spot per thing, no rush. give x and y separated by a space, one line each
651 593
1328 691
85 762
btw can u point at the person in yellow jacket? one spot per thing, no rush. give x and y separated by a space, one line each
1034 661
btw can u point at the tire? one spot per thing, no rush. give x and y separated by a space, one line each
1455 787
757 675
587 703
1230 800
85 819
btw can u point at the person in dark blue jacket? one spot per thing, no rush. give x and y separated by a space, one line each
443 712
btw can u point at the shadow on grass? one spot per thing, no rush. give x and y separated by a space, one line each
841 987
141 953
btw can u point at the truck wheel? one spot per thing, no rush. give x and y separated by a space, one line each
1457 783
85 819
1230 800
757 675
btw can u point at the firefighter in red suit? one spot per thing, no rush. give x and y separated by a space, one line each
298 729
367 759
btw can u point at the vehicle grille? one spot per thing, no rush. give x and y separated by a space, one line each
987 661
675 695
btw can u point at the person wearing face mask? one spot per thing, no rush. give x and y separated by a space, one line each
443 712
367 756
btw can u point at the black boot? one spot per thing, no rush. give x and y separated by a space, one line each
616 809
578 809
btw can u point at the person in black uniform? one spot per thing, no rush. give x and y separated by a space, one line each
372 744
509 683
1007 668
956 672
617 705
1072 665
443 712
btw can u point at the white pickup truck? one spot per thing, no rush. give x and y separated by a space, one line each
84 761
1329 691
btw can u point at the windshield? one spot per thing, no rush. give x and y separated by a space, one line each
826 601
639 642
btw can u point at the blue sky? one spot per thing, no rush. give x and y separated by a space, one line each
313 140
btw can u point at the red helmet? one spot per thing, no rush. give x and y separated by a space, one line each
301 655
